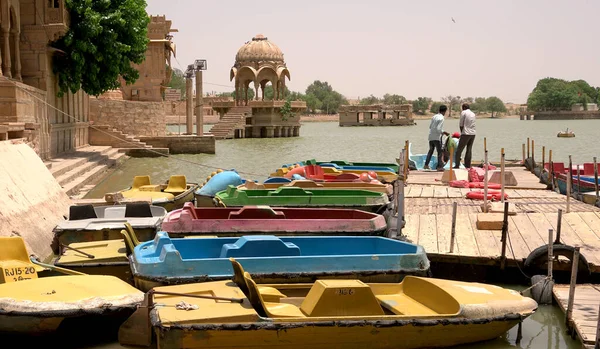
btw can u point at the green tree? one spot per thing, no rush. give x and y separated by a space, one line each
329 100
371 100
479 105
452 102
389 99
552 94
435 107
251 94
421 104
103 40
495 105
313 103
178 81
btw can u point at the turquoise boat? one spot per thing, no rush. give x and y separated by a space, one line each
417 161
375 166
166 261
364 200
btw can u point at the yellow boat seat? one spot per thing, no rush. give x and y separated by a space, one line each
177 185
401 304
153 195
138 181
269 309
13 254
269 294
129 245
129 230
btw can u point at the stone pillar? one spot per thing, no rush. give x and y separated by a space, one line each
199 104
16 38
256 132
296 131
283 87
277 132
270 131
189 106
7 64
256 85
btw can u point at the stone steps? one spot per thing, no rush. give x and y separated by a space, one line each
63 164
105 135
227 124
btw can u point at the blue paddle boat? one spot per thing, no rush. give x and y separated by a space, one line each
215 183
417 161
271 259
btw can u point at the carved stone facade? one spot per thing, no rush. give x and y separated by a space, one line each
155 71
28 86
376 115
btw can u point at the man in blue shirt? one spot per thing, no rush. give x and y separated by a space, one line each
436 129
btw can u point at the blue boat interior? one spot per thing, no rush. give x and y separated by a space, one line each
418 161
357 168
219 182
264 246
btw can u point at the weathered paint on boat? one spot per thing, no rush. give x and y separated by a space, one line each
107 257
171 195
266 220
343 163
298 197
590 198
39 306
275 259
417 313
381 173
312 185
107 225
584 186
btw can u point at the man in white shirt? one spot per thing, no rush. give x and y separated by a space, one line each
467 135
436 129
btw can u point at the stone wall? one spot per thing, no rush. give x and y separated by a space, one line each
31 200
183 144
566 115
131 117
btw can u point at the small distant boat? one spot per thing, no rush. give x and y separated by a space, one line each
299 197
32 306
416 313
266 220
312 185
87 223
170 195
565 134
294 259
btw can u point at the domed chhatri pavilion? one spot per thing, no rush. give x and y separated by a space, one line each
258 63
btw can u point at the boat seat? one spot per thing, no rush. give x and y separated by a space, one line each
401 304
131 233
114 212
13 253
139 181
269 309
177 185
138 209
269 294
77 213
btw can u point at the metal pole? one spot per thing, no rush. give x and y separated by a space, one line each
502 156
528 143
485 184
199 105
550 253
453 232
484 144
543 160
558 226
532 156
596 180
504 237
524 158
569 185
597 345
406 160
574 269
400 207
189 106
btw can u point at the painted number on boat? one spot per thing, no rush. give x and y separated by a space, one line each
19 274
344 291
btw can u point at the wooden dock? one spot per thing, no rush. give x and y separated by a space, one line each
585 310
428 215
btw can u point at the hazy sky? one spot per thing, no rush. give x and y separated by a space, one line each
410 48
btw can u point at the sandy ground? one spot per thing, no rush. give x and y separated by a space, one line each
213 119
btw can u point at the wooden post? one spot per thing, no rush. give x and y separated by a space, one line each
395 197
543 160
597 345
574 269
451 167
578 182
485 184
569 184
405 160
596 179
550 253
524 158
484 144
453 232
502 155
400 204
528 143
532 156
504 236
552 183
558 226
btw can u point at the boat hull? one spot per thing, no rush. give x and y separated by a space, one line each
69 236
403 334
582 186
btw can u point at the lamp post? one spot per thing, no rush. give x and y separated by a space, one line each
199 66
189 99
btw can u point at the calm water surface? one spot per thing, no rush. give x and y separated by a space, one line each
327 141
256 158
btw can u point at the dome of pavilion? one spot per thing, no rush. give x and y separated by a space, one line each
259 49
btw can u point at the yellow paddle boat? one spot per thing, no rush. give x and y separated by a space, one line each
170 195
416 313
376 187
32 306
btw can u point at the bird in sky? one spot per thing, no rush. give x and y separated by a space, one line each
453 19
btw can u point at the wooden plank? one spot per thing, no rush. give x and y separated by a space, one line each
541 225
567 235
427 192
440 192
512 194
444 231
527 230
585 309
486 242
592 220
490 221
516 243
411 228
427 233
415 191
585 233
464 191
454 193
466 244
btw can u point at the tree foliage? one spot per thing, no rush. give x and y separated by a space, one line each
495 105
371 100
251 94
321 96
389 99
452 102
435 107
421 105
178 81
104 38
553 94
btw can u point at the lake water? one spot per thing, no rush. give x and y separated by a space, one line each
256 158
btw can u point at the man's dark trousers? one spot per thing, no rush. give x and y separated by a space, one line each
465 141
